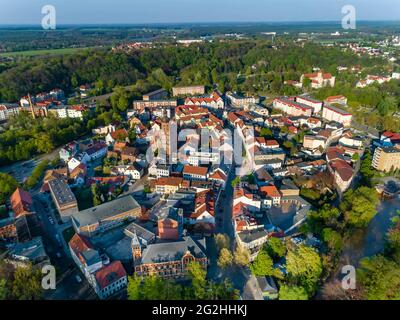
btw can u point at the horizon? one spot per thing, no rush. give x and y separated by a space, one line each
139 12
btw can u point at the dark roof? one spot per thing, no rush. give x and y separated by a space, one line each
173 251
252 235
105 210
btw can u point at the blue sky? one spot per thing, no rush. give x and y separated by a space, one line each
177 11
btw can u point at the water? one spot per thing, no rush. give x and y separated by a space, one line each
371 241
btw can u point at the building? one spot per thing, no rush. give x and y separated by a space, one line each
239 101
159 94
170 259
214 101
314 143
63 198
8 111
189 90
30 252
336 99
315 104
195 173
140 104
292 107
106 216
386 158
21 203
168 185
252 240
110 280
331 113
272 194
342 172
319 79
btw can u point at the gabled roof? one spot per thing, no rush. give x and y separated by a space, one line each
110 274
21 202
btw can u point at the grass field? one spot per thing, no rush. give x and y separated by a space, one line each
32 53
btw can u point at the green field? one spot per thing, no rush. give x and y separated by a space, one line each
32 53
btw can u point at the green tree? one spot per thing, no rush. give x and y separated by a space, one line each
27 284
241 256
3 289
380 278
7 186
222 241
359 206
266 132
276 248
225 258
199 283
263 265
333 239
304 265
292 293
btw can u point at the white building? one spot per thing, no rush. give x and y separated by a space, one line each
331 113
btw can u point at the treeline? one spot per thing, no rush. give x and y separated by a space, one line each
244 66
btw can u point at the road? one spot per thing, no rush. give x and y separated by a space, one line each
23 169
241 278
67 288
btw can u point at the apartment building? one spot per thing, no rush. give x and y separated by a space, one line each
188 90
331 113
386 158
63 198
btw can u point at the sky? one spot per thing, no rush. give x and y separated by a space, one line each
187 11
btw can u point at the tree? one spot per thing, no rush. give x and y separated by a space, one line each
367 173
134 288
380 278
198 276
7 186
27 284
263 265
3 289
276 248
222 241
235 182
333 239
327 216
225 258
304 265
292 293
359 206
97 195
241 256
266 132
37 174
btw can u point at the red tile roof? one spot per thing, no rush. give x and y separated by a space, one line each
21 202
202 171
110 274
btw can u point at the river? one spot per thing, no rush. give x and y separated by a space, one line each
371 241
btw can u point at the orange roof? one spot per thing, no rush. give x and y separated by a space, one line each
21 202
271 191
110 274
201 171
218 175
79 244
169 181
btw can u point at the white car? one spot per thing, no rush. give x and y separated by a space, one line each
78 279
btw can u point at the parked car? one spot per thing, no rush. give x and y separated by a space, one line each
50 219
58 255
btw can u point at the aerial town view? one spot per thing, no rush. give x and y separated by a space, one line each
159 150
